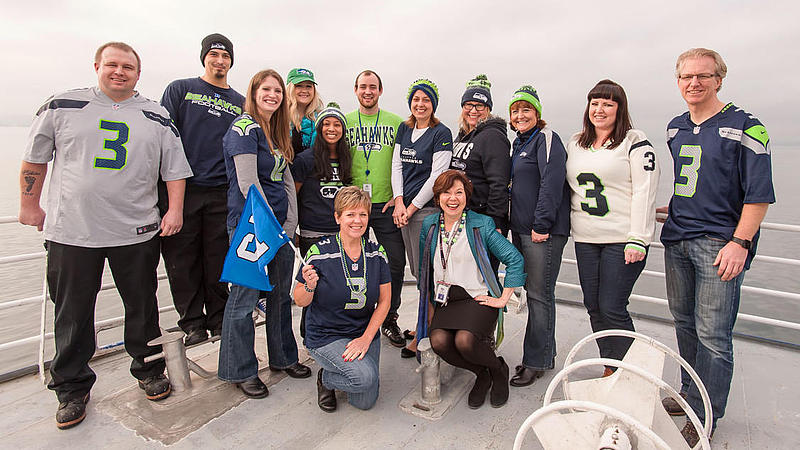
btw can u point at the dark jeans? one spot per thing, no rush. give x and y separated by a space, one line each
542 264
237 356
390 237
194 257
607 282
705 310
74 276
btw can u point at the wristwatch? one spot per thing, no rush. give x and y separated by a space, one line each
745 243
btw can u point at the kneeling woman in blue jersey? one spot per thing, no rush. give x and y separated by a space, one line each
346 286
455 276
611 170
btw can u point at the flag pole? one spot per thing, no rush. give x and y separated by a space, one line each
297 253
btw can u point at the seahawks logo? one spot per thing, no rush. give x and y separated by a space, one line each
328 191
481 97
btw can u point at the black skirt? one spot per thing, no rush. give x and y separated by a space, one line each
462 312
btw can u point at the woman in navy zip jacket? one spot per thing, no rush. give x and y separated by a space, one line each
456 280
539 226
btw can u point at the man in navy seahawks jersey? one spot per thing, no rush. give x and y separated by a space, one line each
723 186
202 108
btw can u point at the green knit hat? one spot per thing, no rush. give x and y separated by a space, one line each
332 110
528 94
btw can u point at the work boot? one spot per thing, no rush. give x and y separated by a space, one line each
195 337
392 331
71 412
156 387
672 407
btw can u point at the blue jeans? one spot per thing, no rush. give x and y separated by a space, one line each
542 263
237 357
705 309
606 283
359 378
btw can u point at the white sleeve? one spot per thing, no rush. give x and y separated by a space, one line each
397 173
440 163
644 184
247 173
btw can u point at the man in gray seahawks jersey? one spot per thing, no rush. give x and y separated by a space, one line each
108 145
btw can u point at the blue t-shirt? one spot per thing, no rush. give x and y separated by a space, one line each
315 199
417 157
202 113
719 166
335 311
245 137
539 191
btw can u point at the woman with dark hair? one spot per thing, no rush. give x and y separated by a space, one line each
539 226
346 286
257 150
482 150
318 176
456 277
304 105
423 148
611 170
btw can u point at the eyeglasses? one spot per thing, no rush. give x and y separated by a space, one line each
700 76
476 106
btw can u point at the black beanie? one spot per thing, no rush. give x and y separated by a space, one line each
213 41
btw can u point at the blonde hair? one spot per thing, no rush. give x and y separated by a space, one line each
463 125
720 68
351 197
276 129
312 109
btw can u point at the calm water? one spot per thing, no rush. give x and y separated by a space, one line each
21 280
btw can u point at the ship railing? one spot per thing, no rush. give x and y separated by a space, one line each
119 321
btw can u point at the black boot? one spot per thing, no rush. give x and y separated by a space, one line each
478 393
326 398
499 394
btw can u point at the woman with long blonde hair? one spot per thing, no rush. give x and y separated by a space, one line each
304 106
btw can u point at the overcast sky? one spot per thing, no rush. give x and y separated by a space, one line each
562 50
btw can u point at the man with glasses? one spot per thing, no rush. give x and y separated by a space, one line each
723 186
371 133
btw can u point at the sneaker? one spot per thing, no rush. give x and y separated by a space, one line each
156 387
672 407
392 331
71 412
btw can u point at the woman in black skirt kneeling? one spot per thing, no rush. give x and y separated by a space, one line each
457 279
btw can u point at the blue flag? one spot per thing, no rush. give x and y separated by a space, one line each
255 242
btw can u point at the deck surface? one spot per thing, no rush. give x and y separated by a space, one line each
763 411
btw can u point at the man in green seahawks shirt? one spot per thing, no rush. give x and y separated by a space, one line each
371 133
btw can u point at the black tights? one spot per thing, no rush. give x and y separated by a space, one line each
461 348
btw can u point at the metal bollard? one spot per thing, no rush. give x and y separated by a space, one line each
429 370
174 354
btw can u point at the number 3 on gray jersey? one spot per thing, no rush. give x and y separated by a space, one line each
689 171
115 145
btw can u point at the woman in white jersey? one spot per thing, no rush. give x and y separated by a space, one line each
612 173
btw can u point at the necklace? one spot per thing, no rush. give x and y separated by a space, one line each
354 288
449 238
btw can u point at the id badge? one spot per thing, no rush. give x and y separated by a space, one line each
442 291
368 189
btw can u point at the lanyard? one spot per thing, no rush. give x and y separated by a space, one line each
453 236
364 146
354 288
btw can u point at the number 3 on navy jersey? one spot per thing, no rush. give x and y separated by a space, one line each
359 297
596 192
689 171
115 145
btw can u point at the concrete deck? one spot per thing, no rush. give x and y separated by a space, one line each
763 411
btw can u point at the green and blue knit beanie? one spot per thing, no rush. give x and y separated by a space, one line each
478 90
528 94
428 87
332 110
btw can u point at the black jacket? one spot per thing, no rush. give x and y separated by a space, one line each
485 156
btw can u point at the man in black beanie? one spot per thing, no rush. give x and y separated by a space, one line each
202 109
